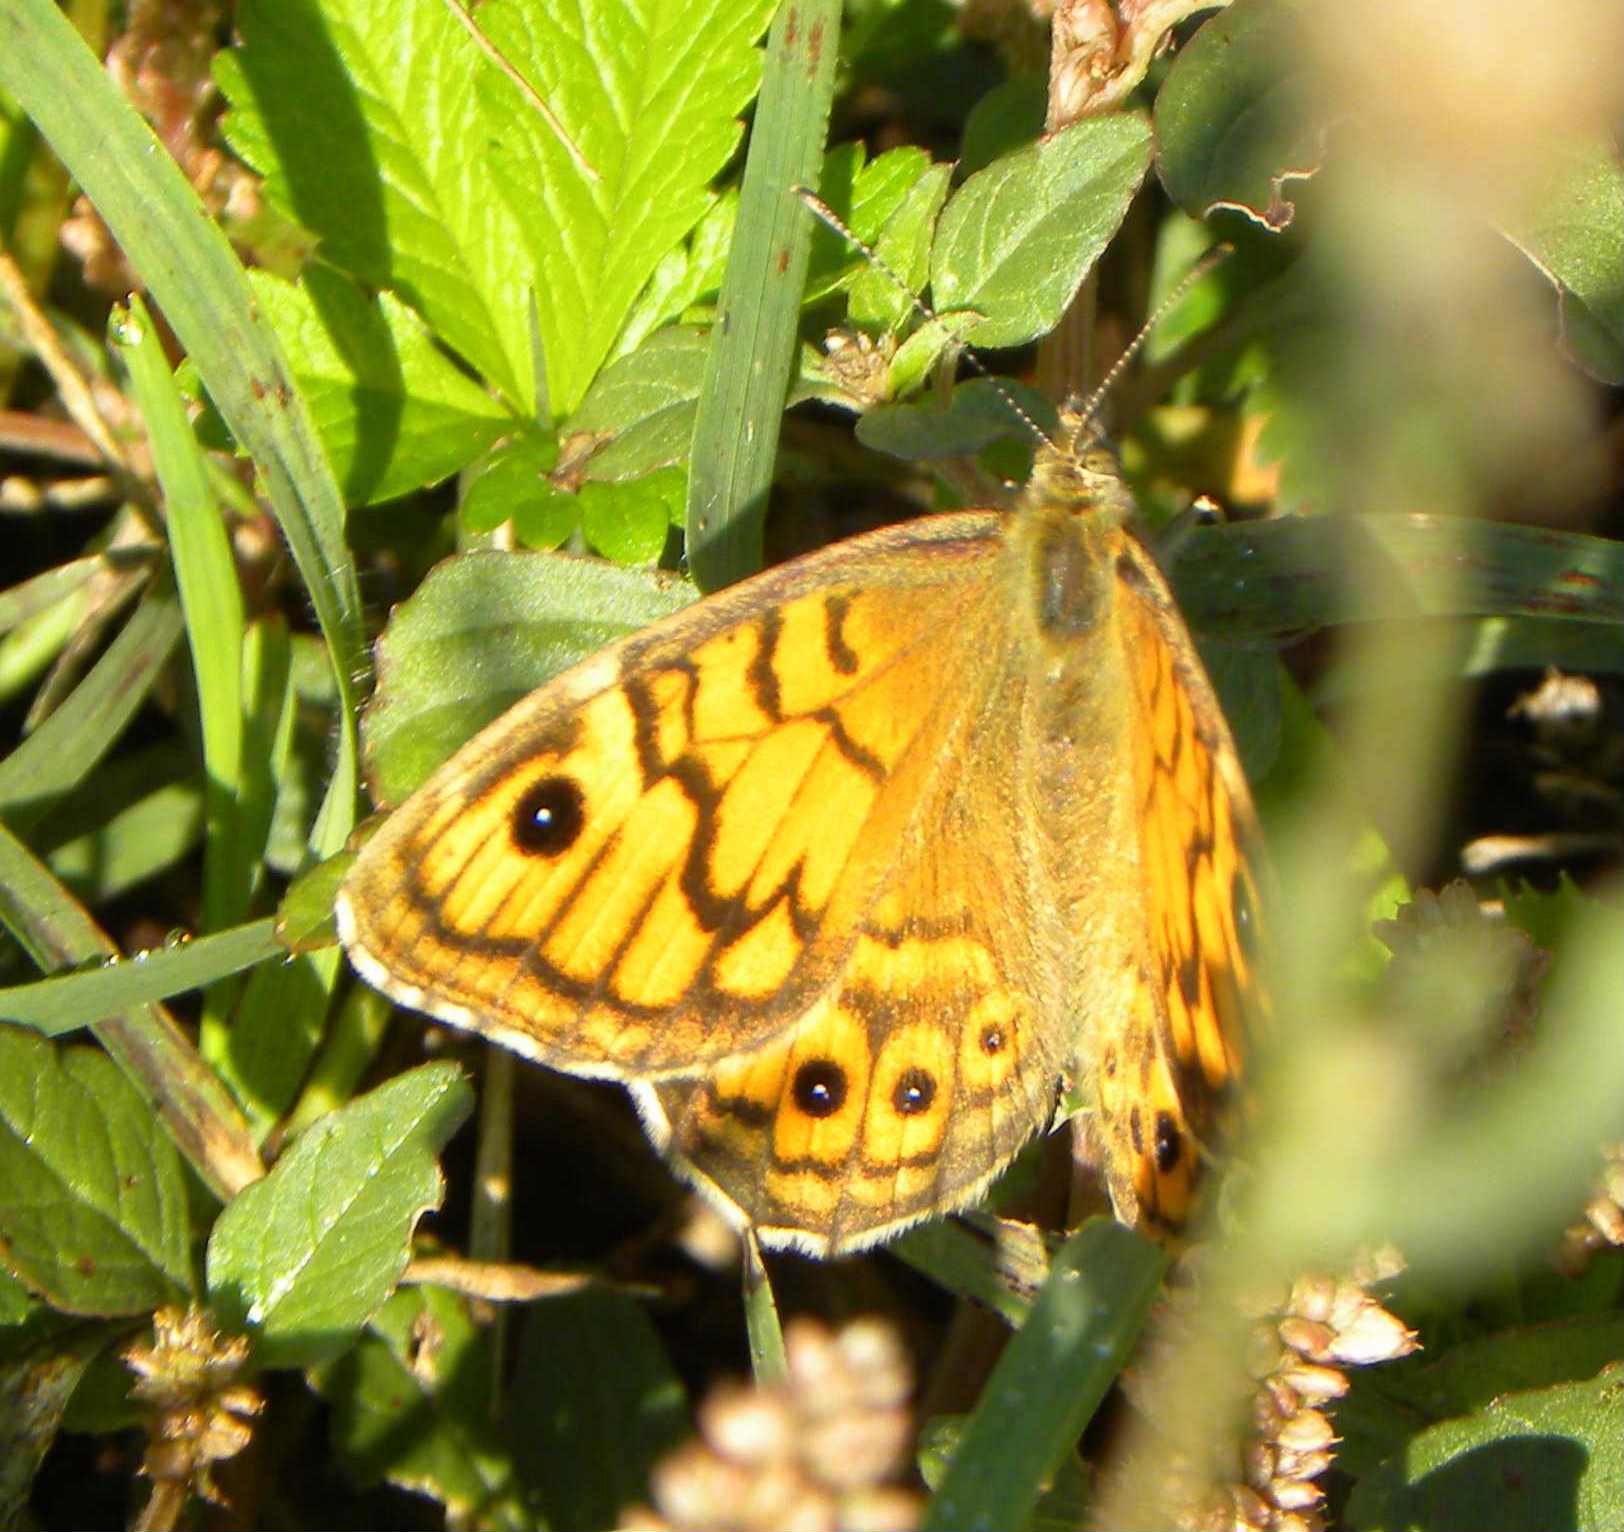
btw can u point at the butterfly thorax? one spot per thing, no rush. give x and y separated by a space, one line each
1067 534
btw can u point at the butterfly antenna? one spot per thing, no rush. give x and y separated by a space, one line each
1090 406
827 215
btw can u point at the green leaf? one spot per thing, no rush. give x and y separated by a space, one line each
1236 116
1050 1379
58 755
644 404
764 1330
393 411
685 277
1476 1372
1525 1462
418 1414
93 1208
1008 117
1575 235
303 1258
274 1032
904 243
1001 1273
650 97
976 414
371 130
512 484
142 813
628 522
1016 240
594 1404
483 631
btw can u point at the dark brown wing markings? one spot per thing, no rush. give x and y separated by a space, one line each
842 657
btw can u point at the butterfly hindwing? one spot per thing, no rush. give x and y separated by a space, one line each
1173 1063
933 1059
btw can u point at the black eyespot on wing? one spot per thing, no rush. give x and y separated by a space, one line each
819 1088
1169 1143
992 1039
914 1092
549 817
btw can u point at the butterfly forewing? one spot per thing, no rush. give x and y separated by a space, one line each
662 857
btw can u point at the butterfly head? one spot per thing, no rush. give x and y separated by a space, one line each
1078 472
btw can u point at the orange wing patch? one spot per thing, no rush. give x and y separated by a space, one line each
1160 1107
663 857
895 1099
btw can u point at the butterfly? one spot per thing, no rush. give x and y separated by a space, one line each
848 870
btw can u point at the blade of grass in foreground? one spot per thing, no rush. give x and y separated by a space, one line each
752 348
144 1040
761 1322
1050 1379
194 277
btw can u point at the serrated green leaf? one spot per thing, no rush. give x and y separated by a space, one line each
594 1404
684 277
903 244
865 197
1016 240
484 630
393 411
370 129
93 1210
650 97
418 1415
303 1258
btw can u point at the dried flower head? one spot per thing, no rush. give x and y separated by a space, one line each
1473 976
1291 1373
822 1451
1601 1225
196 1406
